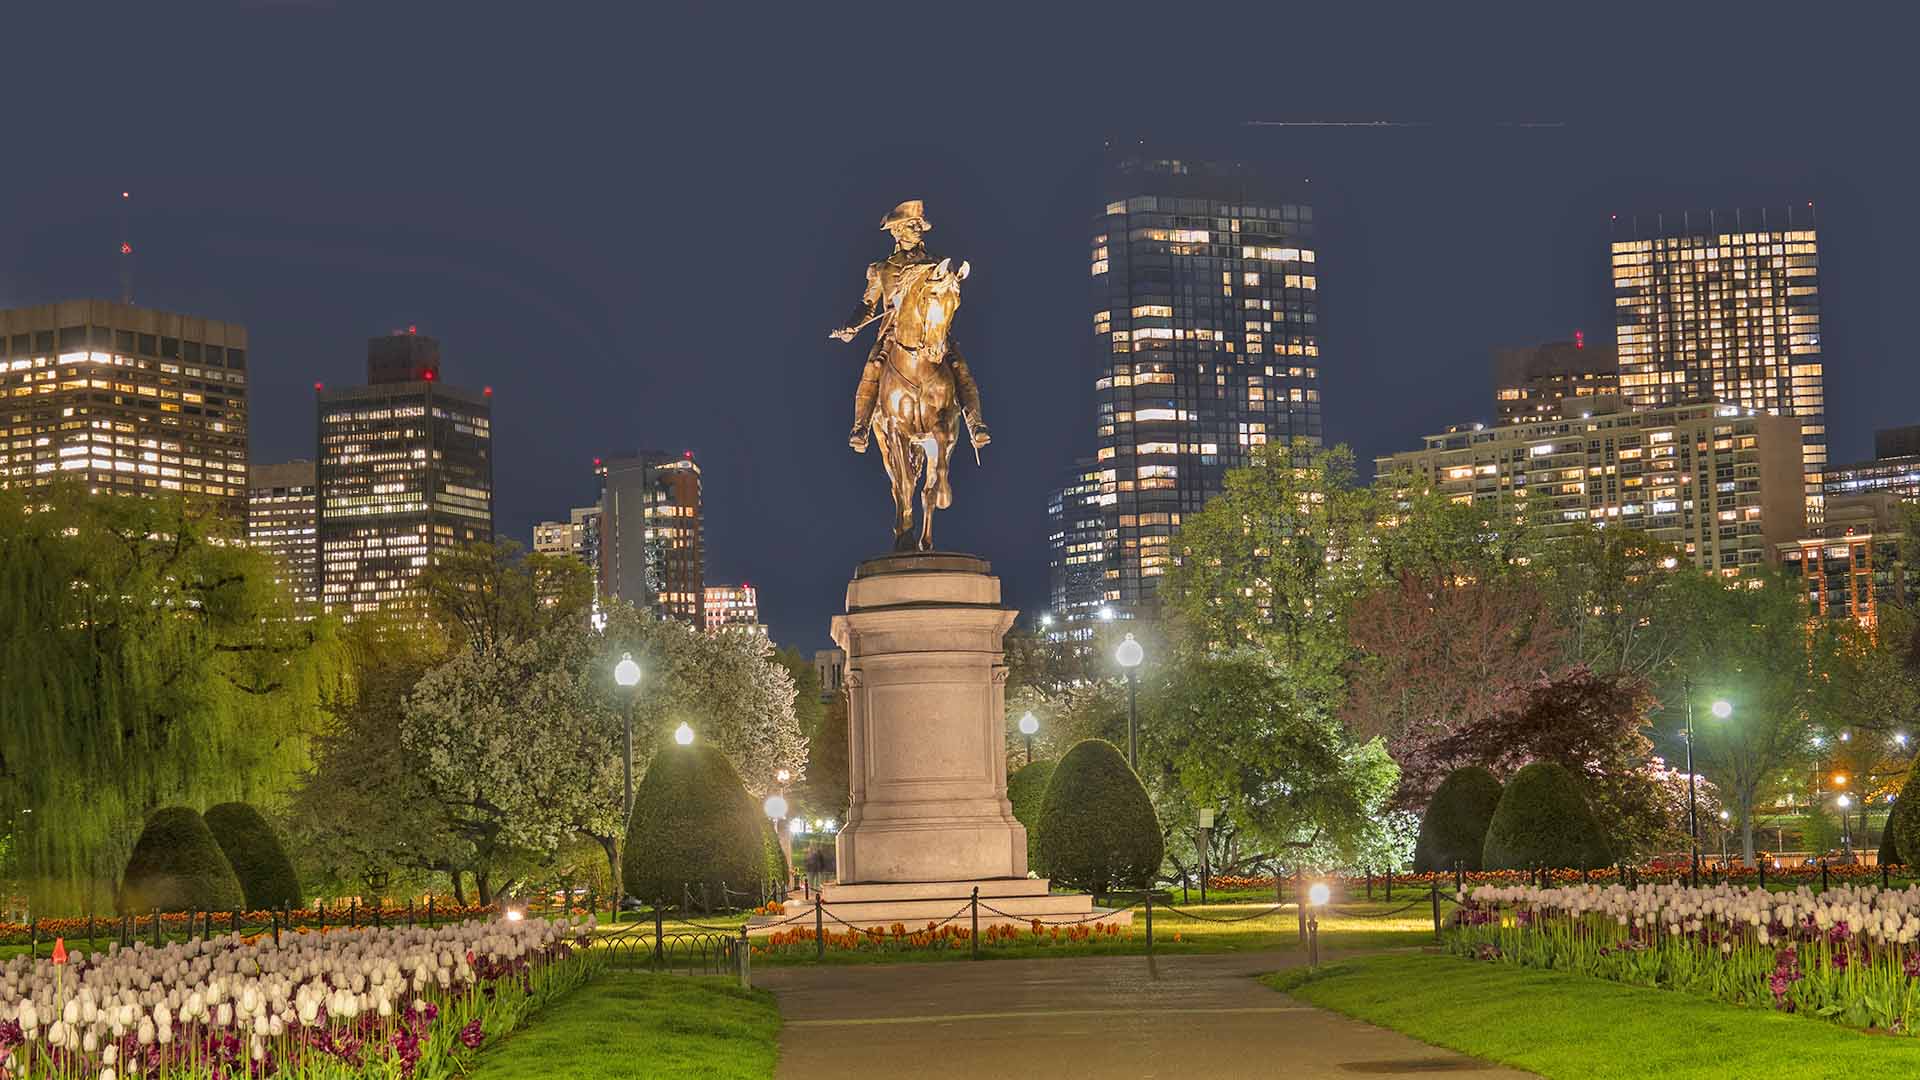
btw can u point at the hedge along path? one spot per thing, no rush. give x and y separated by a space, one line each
258 858
177 865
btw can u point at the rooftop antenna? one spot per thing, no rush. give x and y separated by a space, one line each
126 252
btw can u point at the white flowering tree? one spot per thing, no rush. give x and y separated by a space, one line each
525 736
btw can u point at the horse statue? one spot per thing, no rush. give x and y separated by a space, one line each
916 419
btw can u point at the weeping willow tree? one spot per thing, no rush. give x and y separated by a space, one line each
145 659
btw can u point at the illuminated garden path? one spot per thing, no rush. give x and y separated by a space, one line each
1113 1018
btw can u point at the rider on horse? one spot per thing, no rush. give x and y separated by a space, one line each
908 223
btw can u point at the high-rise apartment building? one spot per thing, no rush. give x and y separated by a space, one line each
734 608
405 469
126 400
1076 543
1207 342
1552 381
651 541
1724 306
282 517
577 536
1721 483
1894 470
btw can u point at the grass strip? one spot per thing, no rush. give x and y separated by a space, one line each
1574 1027
661 1027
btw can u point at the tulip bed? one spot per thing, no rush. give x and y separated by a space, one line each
333 1005
183 922
1848 954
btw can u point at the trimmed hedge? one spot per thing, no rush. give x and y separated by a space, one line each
177 865
1027 790
1889 836
1544 820
776 856
1454 828
693 822
1906 827
253 849
1098 831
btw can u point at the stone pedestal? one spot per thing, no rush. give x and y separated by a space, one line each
927 759
926 755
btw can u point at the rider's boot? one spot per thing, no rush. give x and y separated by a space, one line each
863 399
970 403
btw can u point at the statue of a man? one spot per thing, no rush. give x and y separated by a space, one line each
908 224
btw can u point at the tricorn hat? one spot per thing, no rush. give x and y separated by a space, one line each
911 210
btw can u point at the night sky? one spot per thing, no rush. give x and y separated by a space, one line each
638 222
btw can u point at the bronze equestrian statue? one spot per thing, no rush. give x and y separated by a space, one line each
916 387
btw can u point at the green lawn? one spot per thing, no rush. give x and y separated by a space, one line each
661 1027
1572 1027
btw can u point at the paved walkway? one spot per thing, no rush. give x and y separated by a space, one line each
1111 1018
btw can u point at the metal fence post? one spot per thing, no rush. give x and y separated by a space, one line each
1150 916
1389 883
353 913
1883 875
430 911
89 933
1459 875
33 938
659 945
1823 874
976 922
1436 911
320 912
1300 899
819 929
1762 864
409 912
276 928
746 961
235 916
156 928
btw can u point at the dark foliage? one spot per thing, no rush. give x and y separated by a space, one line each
693 822
1544 820
177 865
253 849
1027 790
1098 831
1454 828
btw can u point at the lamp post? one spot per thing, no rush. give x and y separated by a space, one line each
1029 724
1693 804
1205 821
1844 802
1726 830
1129 655
627 674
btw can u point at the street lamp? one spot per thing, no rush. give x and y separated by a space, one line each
1846 826
1029 724
1722 709
1128 656
627 674
683 735
1726 837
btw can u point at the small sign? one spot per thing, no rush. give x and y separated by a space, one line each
1206 817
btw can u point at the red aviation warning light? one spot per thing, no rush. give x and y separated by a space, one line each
487 390
317 387
126 248
1579 339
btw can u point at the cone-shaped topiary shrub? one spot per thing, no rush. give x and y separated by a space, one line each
1544 820
1455 824
1906 827
1098 831
177 865
693 822
1026 790
254 851
1890 836
776 856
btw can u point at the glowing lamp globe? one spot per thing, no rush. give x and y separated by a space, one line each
683 735
1723 709
775 806
626 672
1129 654
1029 723
1317 895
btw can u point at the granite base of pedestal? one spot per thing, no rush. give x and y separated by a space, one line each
1003 902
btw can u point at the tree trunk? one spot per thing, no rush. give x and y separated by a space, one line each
613 867
459 886
1746 840
480 883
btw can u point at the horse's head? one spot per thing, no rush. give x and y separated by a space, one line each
928 303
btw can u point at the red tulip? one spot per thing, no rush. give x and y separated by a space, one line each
59 950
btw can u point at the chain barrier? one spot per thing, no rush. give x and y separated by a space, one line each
1424 901
1101 916
964 908
1275 909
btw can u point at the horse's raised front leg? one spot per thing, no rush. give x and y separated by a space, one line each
898 456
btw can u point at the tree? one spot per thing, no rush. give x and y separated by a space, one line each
1454 828
1587 722
177 866
693 824
1439 654
1890 853
1543 819
524 738
483 594
1746 641
1098 831
1613 592
148 661
253 849
1904 823
1027 791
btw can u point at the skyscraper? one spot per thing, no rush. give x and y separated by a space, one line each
1075 543
405 470
651 542
1552 381
1725 306
282 507
1895 468
577 536
1206 329
734 609
125 399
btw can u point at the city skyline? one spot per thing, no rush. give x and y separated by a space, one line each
603 302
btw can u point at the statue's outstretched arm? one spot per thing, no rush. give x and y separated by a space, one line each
869 306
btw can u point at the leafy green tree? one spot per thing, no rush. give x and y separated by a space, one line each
149 661
1746 641
1543 819
1098 831
483 594
176 865
1616 595
1454 828
253 849
1027 791
693 823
